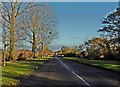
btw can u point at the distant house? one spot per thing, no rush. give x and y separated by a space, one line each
18 54
48 52
23 54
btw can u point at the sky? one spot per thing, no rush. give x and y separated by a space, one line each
79 21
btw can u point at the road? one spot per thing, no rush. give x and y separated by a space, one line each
59 71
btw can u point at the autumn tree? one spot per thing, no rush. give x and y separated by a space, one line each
100 47
68 51
76 50
111 26
94 47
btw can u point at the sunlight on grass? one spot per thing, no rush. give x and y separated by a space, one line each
12 71
113 65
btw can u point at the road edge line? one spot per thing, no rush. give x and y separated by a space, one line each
74 72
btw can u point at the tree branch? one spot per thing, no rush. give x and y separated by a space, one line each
23 10
5 19
5 26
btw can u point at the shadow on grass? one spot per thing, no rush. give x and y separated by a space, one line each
20 69
37 60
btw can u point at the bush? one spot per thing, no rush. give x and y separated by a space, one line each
110 57
70 55
21 56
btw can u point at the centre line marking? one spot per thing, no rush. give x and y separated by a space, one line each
74 72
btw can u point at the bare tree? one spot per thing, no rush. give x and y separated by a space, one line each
30 27
39 26
10 12
48 27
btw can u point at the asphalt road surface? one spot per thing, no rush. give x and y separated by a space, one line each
61 72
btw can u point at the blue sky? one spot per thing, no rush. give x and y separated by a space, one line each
79 21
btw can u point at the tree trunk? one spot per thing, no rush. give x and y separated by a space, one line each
42 48
34 45
4 57
12 23
4 50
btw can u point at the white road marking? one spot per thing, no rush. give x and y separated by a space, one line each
74 72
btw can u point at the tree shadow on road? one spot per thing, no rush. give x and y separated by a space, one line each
35 81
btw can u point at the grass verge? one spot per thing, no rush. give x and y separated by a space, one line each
12 71
110 65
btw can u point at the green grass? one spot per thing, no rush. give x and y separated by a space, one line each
12 71
113 65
